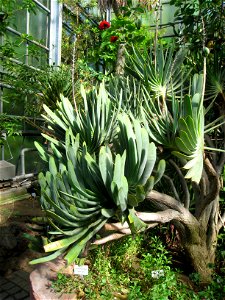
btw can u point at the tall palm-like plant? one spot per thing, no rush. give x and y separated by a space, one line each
173 119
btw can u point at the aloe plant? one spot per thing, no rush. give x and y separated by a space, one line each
82 190
94 120
173 117
161 73
178 123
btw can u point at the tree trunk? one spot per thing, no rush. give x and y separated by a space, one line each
198 234
120 61
200 242
202 259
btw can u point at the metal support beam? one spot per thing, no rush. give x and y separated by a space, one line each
55 33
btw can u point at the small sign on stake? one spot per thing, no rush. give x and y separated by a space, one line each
80 270
157 273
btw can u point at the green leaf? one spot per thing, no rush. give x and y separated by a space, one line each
108 212
75 251
52 166
135 224
63 243
160 170
42 152
47 258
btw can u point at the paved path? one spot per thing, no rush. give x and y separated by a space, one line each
15 286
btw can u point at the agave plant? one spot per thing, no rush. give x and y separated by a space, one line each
127 92
94 120
82 190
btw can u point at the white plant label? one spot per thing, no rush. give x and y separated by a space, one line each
157 273
80 270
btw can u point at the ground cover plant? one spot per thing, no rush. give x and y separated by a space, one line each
127 269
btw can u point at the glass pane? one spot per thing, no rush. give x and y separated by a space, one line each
39 58
10 106
148 19
19 21
168 14
13 47
39 26
44 2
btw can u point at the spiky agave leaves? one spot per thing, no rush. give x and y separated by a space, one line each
79 197
95 121
140 160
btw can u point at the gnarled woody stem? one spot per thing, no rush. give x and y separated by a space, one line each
123 229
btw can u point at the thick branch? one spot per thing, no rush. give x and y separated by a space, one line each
111 237
115 226
117 235
212 231
172 186
183 184
159 217
185 217
221 222
214 185
166 200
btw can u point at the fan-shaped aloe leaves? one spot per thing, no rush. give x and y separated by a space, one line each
95 122
82 191
190 142
161 73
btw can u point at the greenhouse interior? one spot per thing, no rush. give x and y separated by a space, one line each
112 161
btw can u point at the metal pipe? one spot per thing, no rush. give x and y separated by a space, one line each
22 157
26 176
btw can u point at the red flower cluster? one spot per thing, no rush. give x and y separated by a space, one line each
113 38
104 25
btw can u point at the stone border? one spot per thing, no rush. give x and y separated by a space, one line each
41 277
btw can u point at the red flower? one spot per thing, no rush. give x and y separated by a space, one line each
104 25
113 38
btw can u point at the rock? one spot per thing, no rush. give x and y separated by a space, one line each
41 277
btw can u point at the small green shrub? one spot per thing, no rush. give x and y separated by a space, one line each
123 270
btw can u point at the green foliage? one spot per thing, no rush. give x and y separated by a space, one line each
9 8
159 71
123 270
33 88
94 174
94 121
10 126
202 22
173 119
99 46
127 30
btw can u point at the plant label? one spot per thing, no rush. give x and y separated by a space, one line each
157 273
80 270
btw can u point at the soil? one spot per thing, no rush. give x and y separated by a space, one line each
16 219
